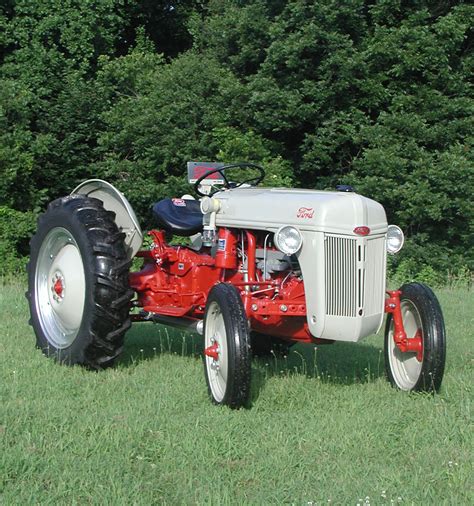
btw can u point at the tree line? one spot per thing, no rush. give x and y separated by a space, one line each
375 94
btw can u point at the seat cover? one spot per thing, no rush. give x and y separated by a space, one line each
179 216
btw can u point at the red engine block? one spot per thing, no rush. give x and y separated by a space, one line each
175 281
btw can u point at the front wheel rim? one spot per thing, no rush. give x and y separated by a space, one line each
217 367
405 366
60 287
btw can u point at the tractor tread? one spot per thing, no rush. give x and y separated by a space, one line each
106 313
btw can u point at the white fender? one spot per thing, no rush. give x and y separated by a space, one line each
115 201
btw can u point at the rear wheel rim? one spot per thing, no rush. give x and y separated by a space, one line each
60 287
217 369
405 367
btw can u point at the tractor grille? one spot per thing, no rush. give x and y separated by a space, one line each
355 275
343 282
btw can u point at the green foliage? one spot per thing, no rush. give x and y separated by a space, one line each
15 231
320 93
417 158
234 33
164 118
249 146
379 99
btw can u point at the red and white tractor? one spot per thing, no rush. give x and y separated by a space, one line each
262 266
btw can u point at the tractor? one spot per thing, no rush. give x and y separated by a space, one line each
254 267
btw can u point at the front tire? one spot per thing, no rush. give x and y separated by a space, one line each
421 314
227 355
78 289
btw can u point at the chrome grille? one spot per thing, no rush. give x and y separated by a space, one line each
344 282
354 276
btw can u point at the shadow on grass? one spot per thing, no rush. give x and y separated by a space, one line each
340 363
144 341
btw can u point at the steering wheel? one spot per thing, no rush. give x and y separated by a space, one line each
253 181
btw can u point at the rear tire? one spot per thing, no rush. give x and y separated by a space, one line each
227 337
421 312
78 289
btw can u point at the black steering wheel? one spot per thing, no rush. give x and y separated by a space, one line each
253 181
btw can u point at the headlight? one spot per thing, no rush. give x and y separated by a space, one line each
395 239
288 240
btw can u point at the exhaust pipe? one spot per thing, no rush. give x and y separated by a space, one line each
189 324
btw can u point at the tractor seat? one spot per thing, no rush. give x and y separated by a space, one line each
179 216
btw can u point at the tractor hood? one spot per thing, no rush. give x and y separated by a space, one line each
308 210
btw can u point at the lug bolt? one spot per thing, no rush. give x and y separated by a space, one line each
254 307
284 308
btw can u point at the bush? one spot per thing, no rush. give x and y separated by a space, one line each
16 228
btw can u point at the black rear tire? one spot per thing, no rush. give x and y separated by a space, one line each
226 329
78 289
420 311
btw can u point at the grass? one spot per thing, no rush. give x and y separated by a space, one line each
325 427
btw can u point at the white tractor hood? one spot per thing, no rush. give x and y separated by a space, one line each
308 210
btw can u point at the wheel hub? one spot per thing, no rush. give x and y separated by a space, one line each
60 287
213 350
412 345
57 287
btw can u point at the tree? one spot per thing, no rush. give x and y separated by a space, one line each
373 94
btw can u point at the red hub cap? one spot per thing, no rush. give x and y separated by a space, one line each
58 288
212 351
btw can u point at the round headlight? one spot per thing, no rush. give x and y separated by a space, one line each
395 239
288 240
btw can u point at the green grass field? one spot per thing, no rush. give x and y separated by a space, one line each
325 427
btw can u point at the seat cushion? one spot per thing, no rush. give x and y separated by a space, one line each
178 216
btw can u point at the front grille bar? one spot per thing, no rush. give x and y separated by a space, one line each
344 281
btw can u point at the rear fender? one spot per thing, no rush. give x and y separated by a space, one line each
115 201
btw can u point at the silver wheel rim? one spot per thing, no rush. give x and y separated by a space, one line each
405 367
60 287
217 369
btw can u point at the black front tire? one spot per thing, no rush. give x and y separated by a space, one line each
226 333
420 312
78 289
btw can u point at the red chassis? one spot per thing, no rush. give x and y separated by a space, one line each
175 281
